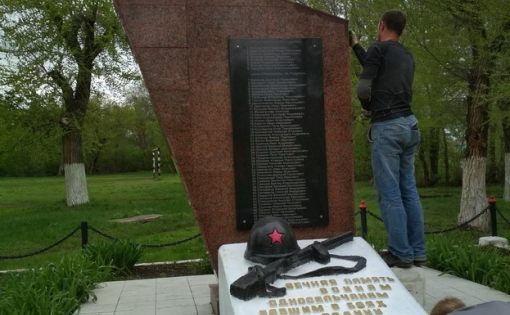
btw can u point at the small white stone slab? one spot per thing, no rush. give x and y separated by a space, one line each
139 218
327 294
494 241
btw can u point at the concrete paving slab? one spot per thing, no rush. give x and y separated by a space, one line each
200 290
93 308
142 308
439 285
165 303
180 310
190 295
134 312
201 280
204 309
202 300
176 294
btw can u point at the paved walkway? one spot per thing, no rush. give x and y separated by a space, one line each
163 296
438 286
190 295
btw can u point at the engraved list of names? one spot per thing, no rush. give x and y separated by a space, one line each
278 124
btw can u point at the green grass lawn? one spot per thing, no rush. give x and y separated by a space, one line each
33 214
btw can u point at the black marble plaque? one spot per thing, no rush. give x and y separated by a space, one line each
278 130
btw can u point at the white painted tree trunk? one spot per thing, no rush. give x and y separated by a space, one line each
506 192
76 184
474 196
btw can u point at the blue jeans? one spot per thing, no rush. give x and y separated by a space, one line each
394 145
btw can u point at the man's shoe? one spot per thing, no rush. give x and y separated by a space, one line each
420 262
393 261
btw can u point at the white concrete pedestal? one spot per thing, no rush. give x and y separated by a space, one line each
374 290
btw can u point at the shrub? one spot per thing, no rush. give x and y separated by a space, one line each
121 255
484 265
55 289
203 267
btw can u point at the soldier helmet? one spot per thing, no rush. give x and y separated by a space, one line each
270 239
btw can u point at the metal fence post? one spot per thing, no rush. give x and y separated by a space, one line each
493 210
84 234
156 163
363 214
153 164
159 162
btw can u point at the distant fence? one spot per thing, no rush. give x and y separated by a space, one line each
84 228
494 212
156 163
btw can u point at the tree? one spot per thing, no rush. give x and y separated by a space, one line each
465 38
145 130
120 136
53 49
460 42
503 106
334 7
484 43
506 133
501 98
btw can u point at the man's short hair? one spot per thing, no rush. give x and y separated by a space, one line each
446 306
394 20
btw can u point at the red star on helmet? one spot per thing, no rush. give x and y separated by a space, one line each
275 236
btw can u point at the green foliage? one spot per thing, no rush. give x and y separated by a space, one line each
29 139
203 266
361 149
54 289
120 255
116 137
486 266
121 137
452 42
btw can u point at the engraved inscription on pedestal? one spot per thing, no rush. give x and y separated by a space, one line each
330 298
278 130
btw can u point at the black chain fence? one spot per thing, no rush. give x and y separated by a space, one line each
461 225
363 212
453 228
42 250
84 227
148 245
503 217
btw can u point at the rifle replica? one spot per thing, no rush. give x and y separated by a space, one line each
257 282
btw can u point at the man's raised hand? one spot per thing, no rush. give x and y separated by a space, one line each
353 39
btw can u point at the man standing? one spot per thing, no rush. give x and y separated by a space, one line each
385 89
